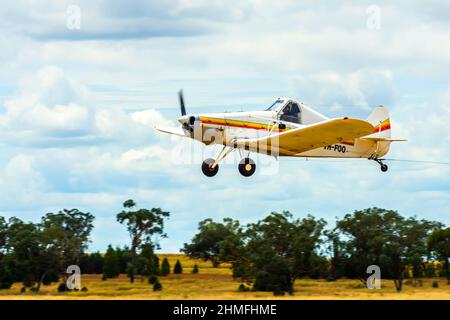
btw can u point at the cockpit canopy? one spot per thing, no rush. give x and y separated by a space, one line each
287 110
276 105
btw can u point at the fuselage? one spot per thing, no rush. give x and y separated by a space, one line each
223 128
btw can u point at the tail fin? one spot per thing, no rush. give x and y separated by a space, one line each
379 118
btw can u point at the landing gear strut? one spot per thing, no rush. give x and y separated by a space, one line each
383 166
210 166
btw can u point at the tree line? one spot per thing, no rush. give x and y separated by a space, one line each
39 253
268 255
271 254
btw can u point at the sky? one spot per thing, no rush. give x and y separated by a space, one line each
82 83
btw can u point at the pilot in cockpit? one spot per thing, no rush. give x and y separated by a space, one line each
290 113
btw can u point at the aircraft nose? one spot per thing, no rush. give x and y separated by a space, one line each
183 119
188 119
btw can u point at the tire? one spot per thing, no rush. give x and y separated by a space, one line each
247 167
206 168
384 167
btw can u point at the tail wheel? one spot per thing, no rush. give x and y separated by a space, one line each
384 167
247 167
207 168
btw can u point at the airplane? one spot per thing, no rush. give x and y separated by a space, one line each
288 128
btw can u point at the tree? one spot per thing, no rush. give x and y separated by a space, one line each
110 264
150 261
142 225
37 253
165 267
6 273
439 247
178 269
34 252
124 256
3 236
72 229
384 238
206 243
92 263
336 250
275 251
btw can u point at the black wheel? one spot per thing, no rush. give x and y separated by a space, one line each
247 167
384 167
207 170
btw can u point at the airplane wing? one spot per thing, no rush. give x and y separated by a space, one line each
175 131
309 137
376 139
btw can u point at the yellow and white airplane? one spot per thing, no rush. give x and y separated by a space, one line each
287 128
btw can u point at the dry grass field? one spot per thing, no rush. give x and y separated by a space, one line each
217 283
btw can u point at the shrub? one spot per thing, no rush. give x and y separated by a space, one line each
195 270
84 289
278 292
243 288
23 290
273 279
62 287
49 278
6 283
111 267
131 271
157 286
178 269
165 267
6 277
28 281
152 279
435 284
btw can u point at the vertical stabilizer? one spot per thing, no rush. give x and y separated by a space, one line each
379 118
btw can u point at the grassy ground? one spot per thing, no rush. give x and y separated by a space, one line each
217 283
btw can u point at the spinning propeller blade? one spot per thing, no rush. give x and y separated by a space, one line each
183 109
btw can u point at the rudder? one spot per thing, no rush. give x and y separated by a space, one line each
379 118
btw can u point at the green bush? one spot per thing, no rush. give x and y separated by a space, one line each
111 267
165 267
157 286
243 288
195 270
178 269
152 279
49 278
28 281
435 284
84 289
62 287
278 292
6 277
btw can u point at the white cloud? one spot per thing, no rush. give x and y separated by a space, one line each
53 109
95 112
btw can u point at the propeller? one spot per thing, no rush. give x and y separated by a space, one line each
183 109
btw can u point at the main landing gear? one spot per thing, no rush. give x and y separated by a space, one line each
383 166
210 167
247 167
